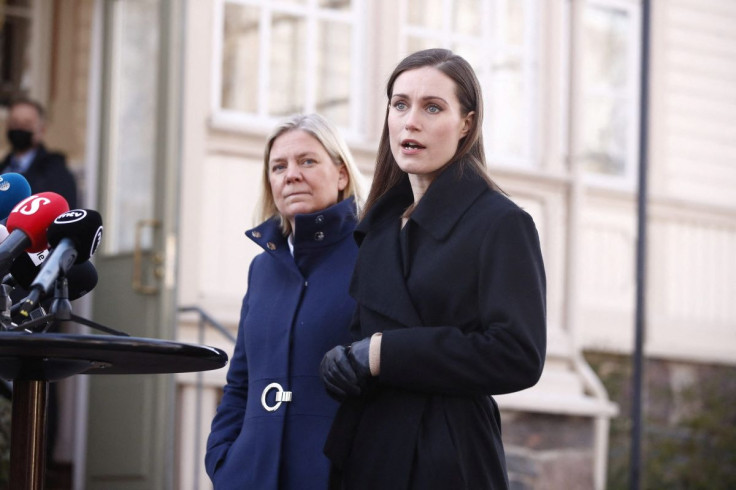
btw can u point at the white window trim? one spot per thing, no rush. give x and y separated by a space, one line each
629 180
261 122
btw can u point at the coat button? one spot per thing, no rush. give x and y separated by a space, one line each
319 236
271 246
319 219
256 234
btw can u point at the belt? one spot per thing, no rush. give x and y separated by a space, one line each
281 397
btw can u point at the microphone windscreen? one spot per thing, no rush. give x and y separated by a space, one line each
24 270
3 233
82 226
34 214
13 189
82 278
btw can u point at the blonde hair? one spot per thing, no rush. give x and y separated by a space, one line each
329 137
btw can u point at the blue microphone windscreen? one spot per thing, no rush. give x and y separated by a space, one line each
13 189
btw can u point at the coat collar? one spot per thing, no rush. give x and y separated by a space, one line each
313 232
446 200
383 288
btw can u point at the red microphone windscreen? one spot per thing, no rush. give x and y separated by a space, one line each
33 216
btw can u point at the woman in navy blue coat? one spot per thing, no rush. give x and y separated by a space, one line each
272 422
450 288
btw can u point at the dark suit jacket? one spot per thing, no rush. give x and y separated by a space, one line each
459 295
48 173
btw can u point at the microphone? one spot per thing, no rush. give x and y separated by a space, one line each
82 278
13 189
74 237
25 268
27 224
3 233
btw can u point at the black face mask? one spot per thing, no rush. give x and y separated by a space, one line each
20 139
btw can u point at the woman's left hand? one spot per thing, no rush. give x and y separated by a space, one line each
338 374
359 357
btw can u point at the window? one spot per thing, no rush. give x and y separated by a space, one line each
22 61
499 39
280 57
610 90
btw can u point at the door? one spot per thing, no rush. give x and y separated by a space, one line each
131 418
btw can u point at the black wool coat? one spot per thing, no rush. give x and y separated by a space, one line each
459 295
48 172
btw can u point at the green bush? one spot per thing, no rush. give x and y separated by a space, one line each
688 437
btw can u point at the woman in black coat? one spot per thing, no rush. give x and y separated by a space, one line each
450 291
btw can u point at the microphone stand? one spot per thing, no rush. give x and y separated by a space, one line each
60 311
5 304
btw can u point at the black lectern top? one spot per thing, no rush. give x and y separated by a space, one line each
49 357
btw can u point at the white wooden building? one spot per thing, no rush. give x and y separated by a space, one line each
163 107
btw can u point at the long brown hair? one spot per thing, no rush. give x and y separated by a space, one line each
470 153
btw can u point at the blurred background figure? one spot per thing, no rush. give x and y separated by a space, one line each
46 171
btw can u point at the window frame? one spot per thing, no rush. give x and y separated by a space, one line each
230 119
40 14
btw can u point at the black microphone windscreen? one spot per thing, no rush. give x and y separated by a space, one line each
82 226
82 278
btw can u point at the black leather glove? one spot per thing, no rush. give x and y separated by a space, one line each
359 359
338 374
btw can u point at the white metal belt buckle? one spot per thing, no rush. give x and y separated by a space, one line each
281 397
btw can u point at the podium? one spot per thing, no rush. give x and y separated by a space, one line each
32 360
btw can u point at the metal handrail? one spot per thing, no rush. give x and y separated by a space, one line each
204 320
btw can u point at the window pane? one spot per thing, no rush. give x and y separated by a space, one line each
419 43
333 72
336 4
425 13
240 58
14 63
513 20
607 82
505 109
132 157
605 56
287 60
604 135
467 18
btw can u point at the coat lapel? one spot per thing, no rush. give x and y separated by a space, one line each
378 282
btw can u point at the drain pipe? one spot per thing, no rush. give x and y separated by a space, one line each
641 250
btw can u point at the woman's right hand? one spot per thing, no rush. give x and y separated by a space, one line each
338 375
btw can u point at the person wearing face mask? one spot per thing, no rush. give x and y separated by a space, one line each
45 171
274 415
450 290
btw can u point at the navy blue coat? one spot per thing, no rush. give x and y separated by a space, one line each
459 294
295 310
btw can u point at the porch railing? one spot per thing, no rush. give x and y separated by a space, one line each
198 395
